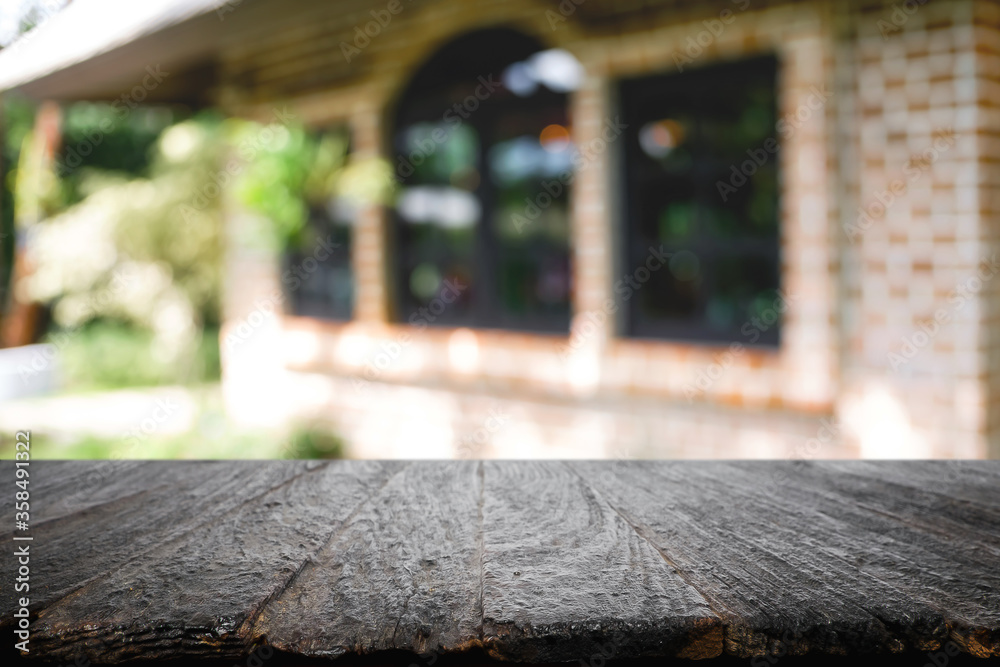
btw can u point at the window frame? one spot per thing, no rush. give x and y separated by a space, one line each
486 309
321 223
631 249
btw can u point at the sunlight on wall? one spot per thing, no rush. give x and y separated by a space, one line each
300 347
463 351
883 426
352 348
583 371
254 377
421 428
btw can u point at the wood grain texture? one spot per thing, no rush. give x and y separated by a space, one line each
528 561
943 552
195 591
762 571
795 565
564 575
401 573
113 512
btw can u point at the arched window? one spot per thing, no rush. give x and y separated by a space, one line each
482 151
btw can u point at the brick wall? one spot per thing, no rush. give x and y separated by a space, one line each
868 88
913 299
986 40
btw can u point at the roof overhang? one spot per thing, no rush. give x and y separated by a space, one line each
103 49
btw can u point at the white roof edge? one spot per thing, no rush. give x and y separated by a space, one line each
85 29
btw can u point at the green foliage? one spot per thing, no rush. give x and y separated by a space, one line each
211 436
287 174
314 442
104 354
292 171
26 15
174 218
145 251
18 117
133 261
99 136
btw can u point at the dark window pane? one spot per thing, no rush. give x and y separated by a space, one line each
743 287
673 293
318 274
701 180
483 200
438 214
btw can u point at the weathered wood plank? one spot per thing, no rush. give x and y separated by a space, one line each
117 523
895 506
893 566
774 585
870 521
966 488
68 487
565 577
528 561
198 594
402 573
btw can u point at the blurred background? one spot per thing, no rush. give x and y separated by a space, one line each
516 229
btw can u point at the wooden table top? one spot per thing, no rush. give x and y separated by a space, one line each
522 561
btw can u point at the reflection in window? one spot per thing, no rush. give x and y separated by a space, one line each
482 139
317 273
318 277
690 189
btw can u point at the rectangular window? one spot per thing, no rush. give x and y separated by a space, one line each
323 265
701 182
317 272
